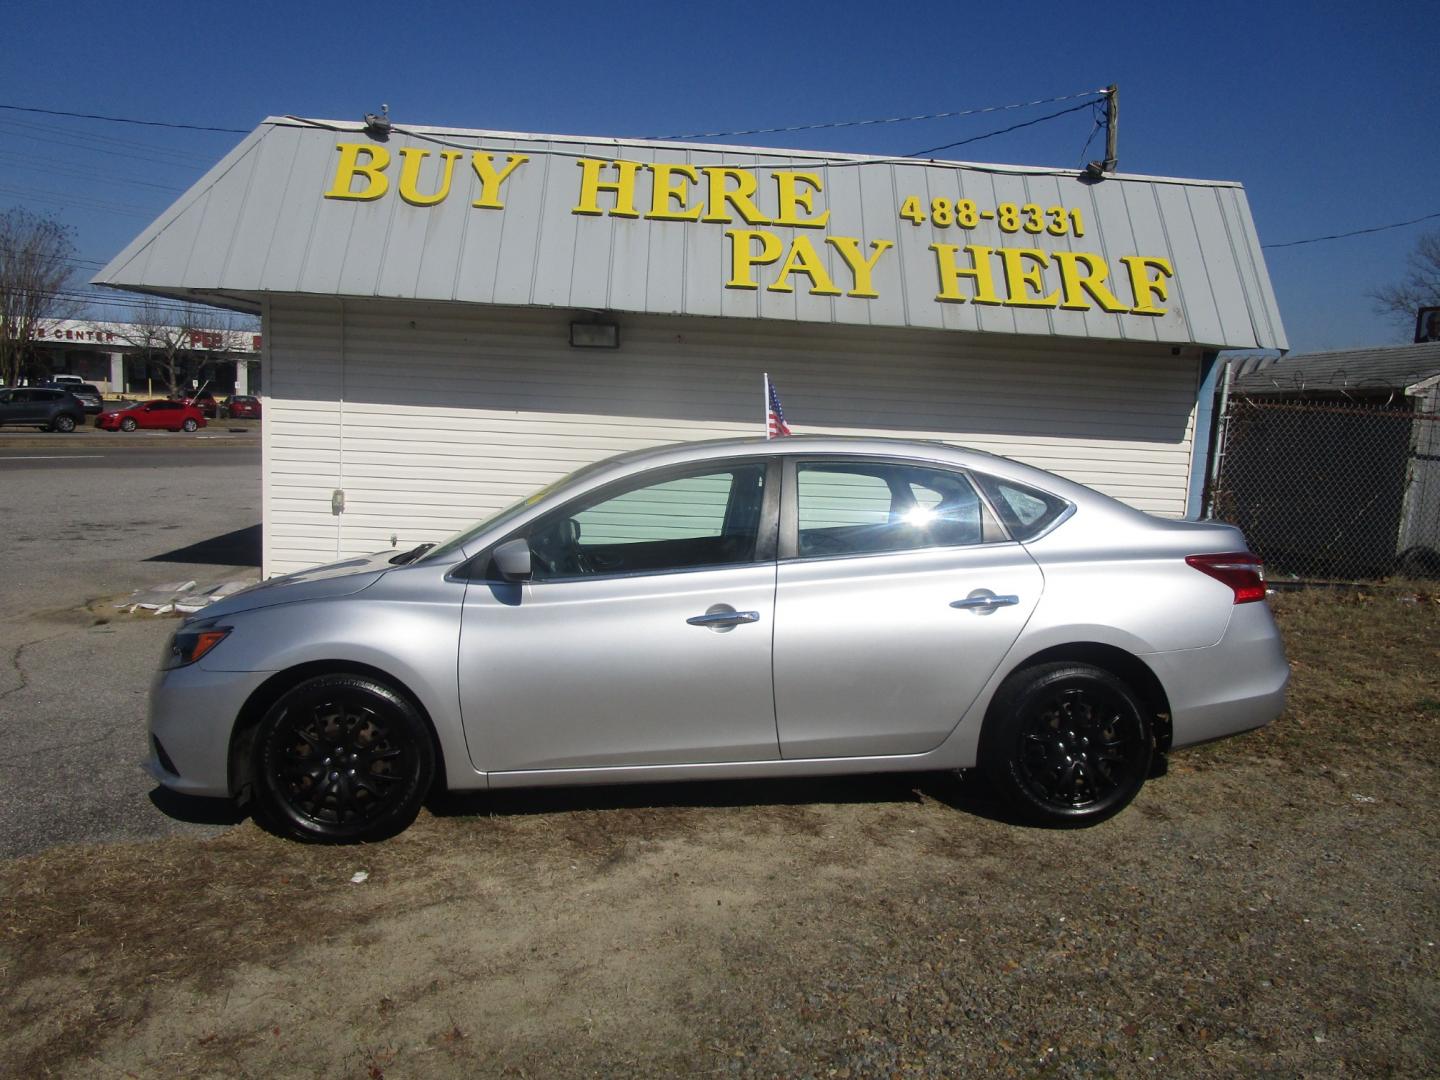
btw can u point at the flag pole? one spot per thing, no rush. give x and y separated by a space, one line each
765 404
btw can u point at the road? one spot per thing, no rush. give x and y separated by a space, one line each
86 523
15 458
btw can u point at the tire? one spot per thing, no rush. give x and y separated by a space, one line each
63 423
326 731
189 424
128 424
1067 744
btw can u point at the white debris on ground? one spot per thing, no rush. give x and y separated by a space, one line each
183 597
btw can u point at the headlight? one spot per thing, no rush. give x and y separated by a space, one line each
189 645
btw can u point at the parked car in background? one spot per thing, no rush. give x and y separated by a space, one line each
805 606
204 401
242 407
46 407
166 414
86 393
66 380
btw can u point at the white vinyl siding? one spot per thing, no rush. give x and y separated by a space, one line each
431 416
684 509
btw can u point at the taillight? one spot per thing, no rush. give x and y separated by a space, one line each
1241 570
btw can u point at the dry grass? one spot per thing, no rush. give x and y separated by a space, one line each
1269 907
1364 664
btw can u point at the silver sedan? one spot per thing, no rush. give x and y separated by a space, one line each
743 608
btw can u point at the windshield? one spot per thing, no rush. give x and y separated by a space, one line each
460 539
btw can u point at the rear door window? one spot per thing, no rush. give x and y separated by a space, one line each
856 508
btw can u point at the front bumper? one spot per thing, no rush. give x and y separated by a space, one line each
1234 685
192 716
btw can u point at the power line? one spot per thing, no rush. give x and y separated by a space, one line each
882 120
150 153
74 260
78 202
117 302
91 301
124 120
1002 131
89 294
77 170
1354 232
1099 123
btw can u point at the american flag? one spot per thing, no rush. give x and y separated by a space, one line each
775 425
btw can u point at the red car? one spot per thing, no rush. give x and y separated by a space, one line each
242 407
171 415
204 401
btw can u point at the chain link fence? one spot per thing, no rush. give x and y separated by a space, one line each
1332 491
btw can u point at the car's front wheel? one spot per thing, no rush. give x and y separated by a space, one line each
342 758
1067 744
128 424
189 424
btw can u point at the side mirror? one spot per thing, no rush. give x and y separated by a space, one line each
513 560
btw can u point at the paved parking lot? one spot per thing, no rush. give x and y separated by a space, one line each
89 517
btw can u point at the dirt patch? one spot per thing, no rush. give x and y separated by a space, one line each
1269 907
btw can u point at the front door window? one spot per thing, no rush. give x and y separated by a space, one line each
708 518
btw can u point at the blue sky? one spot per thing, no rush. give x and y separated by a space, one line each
1326 112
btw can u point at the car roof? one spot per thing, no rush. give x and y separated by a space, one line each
919 450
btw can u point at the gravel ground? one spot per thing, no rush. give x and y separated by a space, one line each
1267 908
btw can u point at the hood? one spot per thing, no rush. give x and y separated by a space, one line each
318 583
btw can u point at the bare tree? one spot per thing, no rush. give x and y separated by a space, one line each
35 270
178 342
1419 288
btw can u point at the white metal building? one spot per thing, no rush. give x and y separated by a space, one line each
420 295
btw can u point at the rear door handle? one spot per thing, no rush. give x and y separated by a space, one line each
727 618
984 603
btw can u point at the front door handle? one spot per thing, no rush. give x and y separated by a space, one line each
985 602
724 618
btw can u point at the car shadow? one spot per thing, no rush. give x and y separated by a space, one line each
966 792
239 548
195 810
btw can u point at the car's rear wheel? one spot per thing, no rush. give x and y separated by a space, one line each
189 424
342 758
1067 744
128 424
63 424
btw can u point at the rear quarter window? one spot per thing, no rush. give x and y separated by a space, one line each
1026 511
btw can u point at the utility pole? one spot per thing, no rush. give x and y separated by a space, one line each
1112 127
1096 170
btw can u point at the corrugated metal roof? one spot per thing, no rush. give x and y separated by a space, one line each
1383 367
274 216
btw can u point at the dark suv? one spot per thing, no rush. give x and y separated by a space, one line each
44 407
85 393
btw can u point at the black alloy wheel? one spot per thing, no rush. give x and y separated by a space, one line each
128 424
63 424
342 758
1067 744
